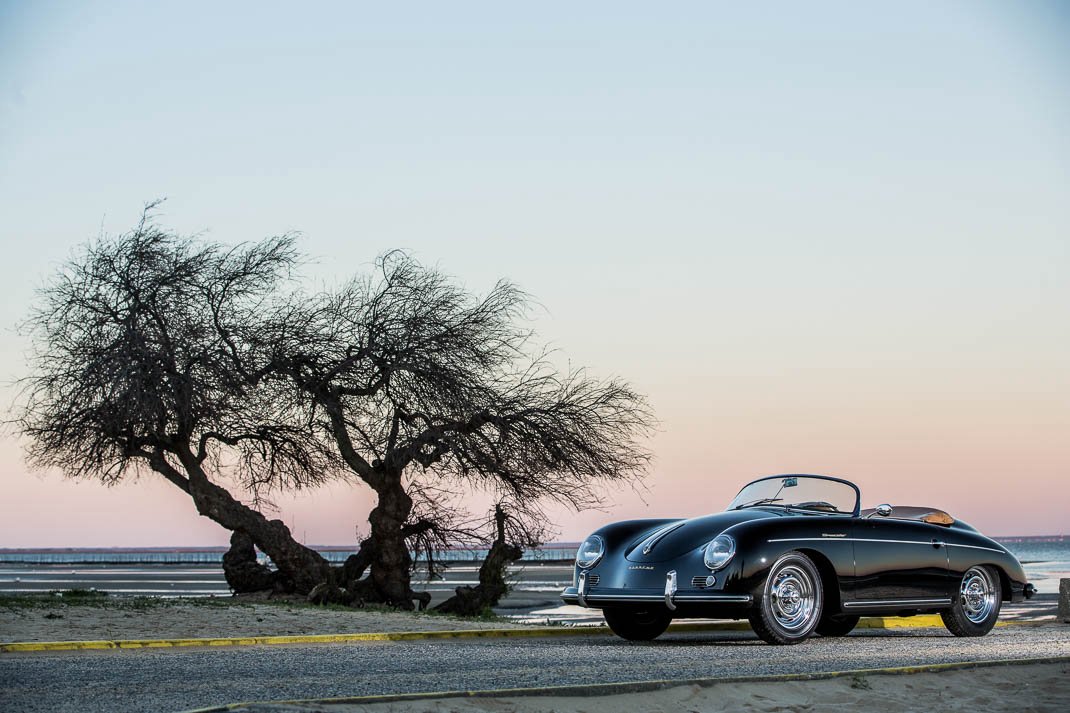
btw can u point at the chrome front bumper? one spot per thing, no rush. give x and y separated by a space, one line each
581 595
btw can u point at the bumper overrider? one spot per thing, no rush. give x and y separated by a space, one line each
1021 591
581 595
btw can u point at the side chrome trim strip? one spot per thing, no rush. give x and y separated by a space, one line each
976 547
850 539
874 539
897 602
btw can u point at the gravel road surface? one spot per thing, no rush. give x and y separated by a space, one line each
182 679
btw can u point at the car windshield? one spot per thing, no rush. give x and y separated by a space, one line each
801 492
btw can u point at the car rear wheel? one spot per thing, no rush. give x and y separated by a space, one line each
836 625
976 608
791 602
638 624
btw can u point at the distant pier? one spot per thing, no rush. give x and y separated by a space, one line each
1024 539
560 552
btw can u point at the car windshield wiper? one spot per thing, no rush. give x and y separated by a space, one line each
760 501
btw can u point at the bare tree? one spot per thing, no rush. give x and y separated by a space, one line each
145 360
513 527
414 377
157 353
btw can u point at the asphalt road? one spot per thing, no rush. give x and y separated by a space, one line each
182 679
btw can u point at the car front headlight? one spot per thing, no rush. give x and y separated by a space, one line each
590 552
719 552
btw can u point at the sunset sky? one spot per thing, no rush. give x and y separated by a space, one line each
821 237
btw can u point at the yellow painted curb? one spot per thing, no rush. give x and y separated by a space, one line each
306 639
914 622
607 689
900 622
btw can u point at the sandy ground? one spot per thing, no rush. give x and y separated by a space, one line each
122 618
1033 687
72 622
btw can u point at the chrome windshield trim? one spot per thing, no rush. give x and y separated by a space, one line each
897 602
652 541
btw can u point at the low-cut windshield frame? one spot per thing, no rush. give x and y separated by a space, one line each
754 499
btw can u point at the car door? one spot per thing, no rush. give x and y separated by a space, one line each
900 561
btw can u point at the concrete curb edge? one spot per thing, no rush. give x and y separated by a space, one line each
604 689
915 622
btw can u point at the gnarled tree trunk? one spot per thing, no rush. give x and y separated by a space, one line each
391 565
386 553
473 601
243 572
300 568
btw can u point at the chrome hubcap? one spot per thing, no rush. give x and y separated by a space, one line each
977 594
792 594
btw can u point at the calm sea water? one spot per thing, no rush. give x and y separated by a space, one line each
1045 563
198 572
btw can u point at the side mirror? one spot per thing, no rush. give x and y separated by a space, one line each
884 510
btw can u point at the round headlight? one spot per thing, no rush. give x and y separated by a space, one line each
719 552
590 552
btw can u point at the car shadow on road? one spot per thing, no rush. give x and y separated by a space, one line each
744 638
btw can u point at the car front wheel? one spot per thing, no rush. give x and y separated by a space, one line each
976 607
791 602
638 624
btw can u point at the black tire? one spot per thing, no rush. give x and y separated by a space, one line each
638 624
977 603
836 625
792 600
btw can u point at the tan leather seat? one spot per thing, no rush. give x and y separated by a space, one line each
933 516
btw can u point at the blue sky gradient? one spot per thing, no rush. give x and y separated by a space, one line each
826 237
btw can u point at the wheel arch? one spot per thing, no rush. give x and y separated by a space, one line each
764 541
830 582
1004 581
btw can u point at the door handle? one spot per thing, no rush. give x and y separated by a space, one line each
937 543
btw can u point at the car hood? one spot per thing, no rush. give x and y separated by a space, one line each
692 534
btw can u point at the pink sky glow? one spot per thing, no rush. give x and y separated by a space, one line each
821 237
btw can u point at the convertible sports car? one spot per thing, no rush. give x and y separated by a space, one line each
795 555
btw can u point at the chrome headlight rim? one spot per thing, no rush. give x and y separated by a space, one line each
716 558
591 561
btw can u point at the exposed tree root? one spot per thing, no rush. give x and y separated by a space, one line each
243 572
473 601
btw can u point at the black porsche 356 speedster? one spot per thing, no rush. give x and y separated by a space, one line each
795 555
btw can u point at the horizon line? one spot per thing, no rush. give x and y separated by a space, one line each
223 548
